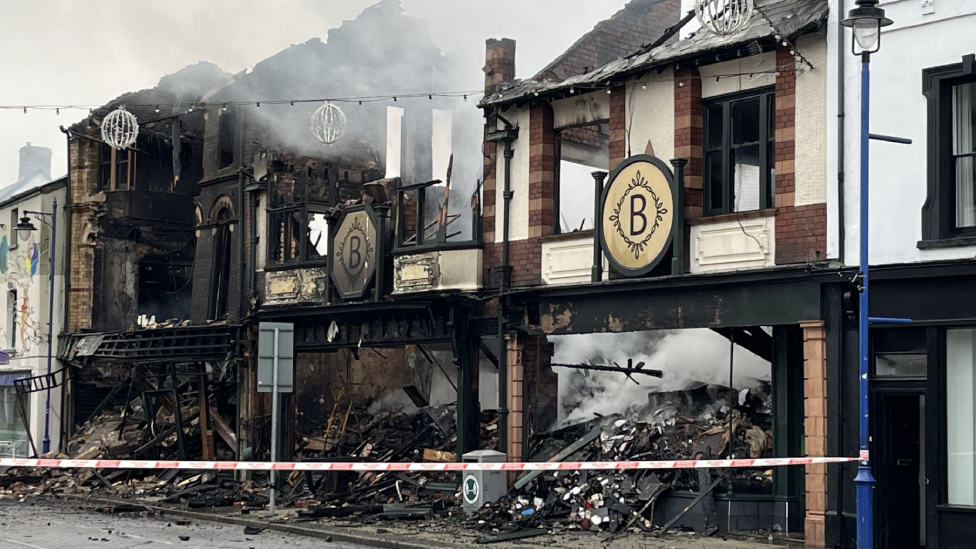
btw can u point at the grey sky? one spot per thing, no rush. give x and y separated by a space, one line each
91 51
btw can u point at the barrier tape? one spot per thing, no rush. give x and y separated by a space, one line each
424 467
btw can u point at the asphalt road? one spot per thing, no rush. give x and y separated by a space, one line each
39 524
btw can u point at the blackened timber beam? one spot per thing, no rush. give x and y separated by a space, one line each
489 352
635 307
752 339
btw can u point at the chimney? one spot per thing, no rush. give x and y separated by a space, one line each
33 160
499 63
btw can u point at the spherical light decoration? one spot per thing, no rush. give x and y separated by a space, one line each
120 129
328 123
724 17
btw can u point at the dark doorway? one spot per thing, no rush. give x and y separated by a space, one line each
899 467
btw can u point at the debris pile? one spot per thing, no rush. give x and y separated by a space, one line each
692 424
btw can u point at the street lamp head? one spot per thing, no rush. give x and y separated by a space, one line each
25 226
866 19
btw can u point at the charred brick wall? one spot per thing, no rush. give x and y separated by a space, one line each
212 198
688 135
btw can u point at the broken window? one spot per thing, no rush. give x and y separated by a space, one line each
110 179
164 288
220 272
739 153
225 139
580 151
297 227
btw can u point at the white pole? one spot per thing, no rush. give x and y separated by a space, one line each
274 421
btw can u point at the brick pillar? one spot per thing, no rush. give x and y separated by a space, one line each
84 180
688 136
499 63
618 126
516 377
815 429
542 170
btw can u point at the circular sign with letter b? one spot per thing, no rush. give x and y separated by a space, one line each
638 215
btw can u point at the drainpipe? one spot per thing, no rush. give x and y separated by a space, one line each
504 271
66 421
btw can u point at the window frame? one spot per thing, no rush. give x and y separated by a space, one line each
939 211
109 157
557 201
305 205
767 137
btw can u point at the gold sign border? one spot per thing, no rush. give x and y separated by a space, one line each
669 177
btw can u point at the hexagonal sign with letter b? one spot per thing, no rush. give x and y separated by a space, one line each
354 252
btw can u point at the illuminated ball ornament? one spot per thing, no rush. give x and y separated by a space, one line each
120 129
328 123
724 17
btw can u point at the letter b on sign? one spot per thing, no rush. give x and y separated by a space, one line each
637 214
355 252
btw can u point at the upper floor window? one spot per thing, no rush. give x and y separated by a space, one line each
739 143
963 154
225 139
949 213
297 230
110 179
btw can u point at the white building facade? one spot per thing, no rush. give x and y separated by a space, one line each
24 328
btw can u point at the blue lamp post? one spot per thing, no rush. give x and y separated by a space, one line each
25 225
866 20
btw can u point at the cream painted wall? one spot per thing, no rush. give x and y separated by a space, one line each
650 114
519 227
811 124
581 109
714 83
731 245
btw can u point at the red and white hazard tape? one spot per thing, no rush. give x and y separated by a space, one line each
425 467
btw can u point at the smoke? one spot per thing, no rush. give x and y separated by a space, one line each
442 389
686 357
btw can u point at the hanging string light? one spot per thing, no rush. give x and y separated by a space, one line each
724 17
328 123
120 129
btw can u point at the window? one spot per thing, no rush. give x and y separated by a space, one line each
220 271
580 151
12 315
950 208
961 416
739 140
297 230
107 157
14 220
225 139
900 353
13 433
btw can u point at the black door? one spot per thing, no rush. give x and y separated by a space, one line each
899 465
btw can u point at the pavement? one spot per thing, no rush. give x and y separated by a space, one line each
79 520
51 524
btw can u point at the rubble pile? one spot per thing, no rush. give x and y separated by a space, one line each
692 424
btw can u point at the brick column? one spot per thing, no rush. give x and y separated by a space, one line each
688 136
801 231
84 177
542 170
516 376
541 384
815 429
618 126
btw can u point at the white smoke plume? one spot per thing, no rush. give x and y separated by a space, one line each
685 356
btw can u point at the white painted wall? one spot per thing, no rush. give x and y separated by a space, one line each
519 227
811 123
583 108
569 261
717 79
27 337
650 114
731 245
898 172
